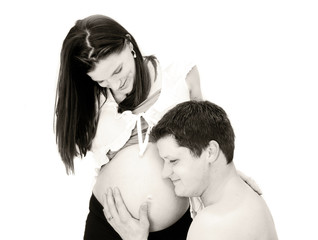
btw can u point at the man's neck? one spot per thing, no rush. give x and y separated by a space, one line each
223 182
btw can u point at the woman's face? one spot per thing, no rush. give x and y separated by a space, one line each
117 72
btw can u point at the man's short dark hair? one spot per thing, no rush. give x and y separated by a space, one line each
194 124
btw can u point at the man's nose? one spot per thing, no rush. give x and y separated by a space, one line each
166 171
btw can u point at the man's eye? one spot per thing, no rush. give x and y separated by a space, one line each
174 161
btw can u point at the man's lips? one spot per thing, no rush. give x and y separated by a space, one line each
174 180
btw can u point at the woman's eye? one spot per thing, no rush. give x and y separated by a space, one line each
118 71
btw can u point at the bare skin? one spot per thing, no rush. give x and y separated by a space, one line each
229 202
240 209
135 175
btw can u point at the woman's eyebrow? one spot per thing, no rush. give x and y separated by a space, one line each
114 72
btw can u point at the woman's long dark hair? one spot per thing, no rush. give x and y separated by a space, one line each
77 96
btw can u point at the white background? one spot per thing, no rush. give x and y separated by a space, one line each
257 59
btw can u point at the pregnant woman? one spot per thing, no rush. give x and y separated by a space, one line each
109 97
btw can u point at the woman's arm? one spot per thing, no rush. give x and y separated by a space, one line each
193 82
251 182
120 219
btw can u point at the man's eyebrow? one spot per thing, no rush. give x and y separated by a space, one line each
167 157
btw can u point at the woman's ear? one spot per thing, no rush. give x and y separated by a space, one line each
131 46
213 151
128 36
128 42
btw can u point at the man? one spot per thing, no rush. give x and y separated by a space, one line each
196 141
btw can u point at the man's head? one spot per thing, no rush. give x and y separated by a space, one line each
190 137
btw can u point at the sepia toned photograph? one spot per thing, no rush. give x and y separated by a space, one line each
181 120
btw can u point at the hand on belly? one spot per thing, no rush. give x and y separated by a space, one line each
140 177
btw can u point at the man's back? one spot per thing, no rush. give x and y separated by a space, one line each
239 214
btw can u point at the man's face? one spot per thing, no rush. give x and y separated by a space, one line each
189 174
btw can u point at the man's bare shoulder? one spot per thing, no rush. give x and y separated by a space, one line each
249 219
213 223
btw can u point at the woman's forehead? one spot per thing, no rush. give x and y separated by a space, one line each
105 67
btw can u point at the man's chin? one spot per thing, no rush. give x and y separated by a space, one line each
179 193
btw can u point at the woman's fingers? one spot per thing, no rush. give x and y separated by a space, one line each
106 210
121 220
250 181
120 205
143 215
111 205
115 209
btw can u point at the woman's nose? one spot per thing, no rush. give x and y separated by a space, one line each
111 83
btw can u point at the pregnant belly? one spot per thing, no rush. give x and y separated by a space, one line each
138 177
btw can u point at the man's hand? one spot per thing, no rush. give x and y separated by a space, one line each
121 220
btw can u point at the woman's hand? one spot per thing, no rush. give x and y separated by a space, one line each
251 182
121 220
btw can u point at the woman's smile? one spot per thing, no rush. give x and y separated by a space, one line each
123 85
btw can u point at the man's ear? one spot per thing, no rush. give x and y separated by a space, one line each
213 151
